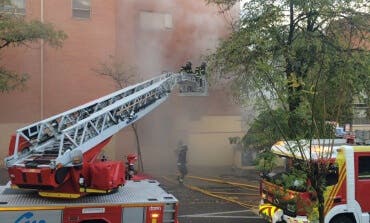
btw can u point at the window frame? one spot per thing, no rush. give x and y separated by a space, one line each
156 21
80 10
13 9
363 175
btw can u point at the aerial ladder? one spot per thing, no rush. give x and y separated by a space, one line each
59 156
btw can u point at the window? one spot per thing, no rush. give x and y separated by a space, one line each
364 167
155 21
81 9
15 6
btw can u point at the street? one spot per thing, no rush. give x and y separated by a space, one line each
197 207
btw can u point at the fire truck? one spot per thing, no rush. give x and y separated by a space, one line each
58 160
141 201
346 197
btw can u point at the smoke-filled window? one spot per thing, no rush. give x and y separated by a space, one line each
81 9
14 6
155 21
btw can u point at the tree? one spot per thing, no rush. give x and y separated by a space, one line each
123 76
306 57
15 31
262 133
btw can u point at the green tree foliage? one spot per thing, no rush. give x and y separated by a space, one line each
265 130
305 57
15 31
266 161
297 52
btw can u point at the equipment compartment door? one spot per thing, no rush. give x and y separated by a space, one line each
133 215
108 214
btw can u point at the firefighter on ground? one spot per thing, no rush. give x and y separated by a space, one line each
200 72
181 160
202 69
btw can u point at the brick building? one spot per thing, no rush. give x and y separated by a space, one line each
153 36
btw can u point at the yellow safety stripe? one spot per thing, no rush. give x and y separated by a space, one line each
96 191
73 195
58 195
268 210
329 195
361 149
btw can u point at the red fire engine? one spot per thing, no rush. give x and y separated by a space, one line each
346 194
58 157
137 202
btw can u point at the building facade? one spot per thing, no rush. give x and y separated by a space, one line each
153 36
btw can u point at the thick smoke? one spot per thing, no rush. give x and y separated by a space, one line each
196 29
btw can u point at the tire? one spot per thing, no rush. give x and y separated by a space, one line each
343 219
61 174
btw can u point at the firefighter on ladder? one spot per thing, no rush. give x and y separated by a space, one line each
187 68
181 161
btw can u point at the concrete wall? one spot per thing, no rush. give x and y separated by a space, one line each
209 140
364 127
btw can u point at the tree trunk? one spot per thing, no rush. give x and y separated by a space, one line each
138 148
321 205
317 174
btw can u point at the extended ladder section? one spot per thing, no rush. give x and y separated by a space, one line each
58 140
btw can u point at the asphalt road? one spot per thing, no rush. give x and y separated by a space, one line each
196 207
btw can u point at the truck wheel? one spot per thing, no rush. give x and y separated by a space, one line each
342 219
61 174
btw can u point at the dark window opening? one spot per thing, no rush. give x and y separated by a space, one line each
364 167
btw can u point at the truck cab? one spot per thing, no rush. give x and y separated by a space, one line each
346 193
